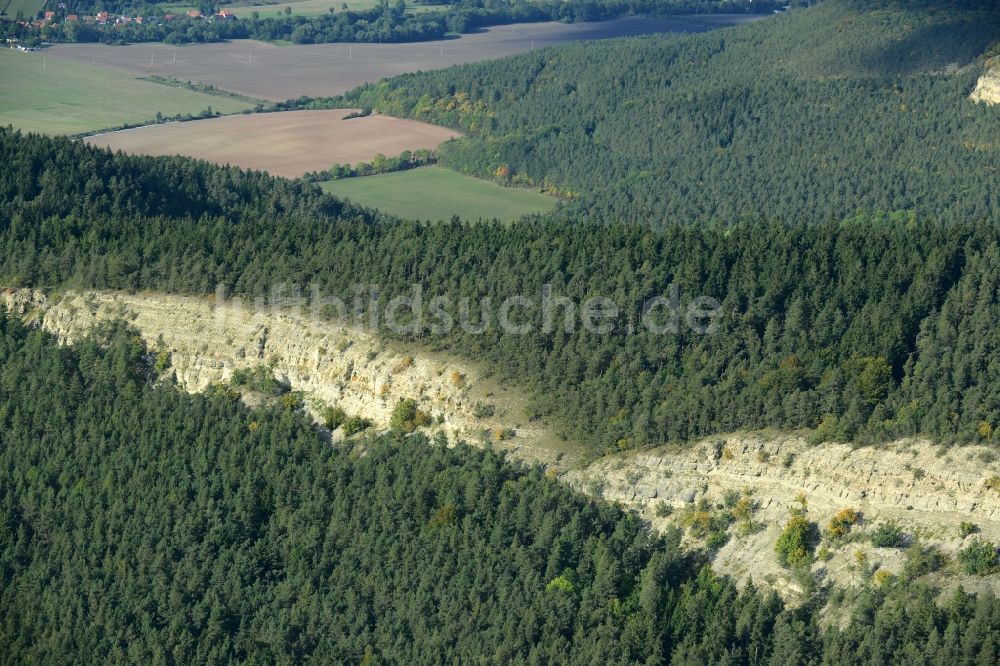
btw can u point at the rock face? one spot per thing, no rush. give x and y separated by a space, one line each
988 87
929 491
331 364
23 301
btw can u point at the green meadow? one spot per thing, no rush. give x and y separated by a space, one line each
435 193
56 96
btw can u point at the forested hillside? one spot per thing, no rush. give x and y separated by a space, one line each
870 328
807 116
820 175
139 524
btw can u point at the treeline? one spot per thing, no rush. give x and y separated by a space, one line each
141 524
869 329
869 112
379 164
386 22
379 24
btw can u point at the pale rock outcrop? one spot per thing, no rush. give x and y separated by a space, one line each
988 87
332 364
929 491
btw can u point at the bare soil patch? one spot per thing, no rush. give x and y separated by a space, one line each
284 144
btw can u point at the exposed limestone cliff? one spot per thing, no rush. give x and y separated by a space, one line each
928 491
988 87
332 365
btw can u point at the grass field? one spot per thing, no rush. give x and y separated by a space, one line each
54 96
434 193
28 8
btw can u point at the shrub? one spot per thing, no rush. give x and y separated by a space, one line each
698 522
333 417
883 578
861 561
887 535
407 418
260 379
979 558
483 410
162 361
842 522
356 424
921 560
663 510
795 545
747 527
292 401
967 528
716 540
744 508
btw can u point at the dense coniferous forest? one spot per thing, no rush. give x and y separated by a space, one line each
835 197
808 116
140 524
870 328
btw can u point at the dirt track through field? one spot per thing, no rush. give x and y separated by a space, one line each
284 144
279 73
